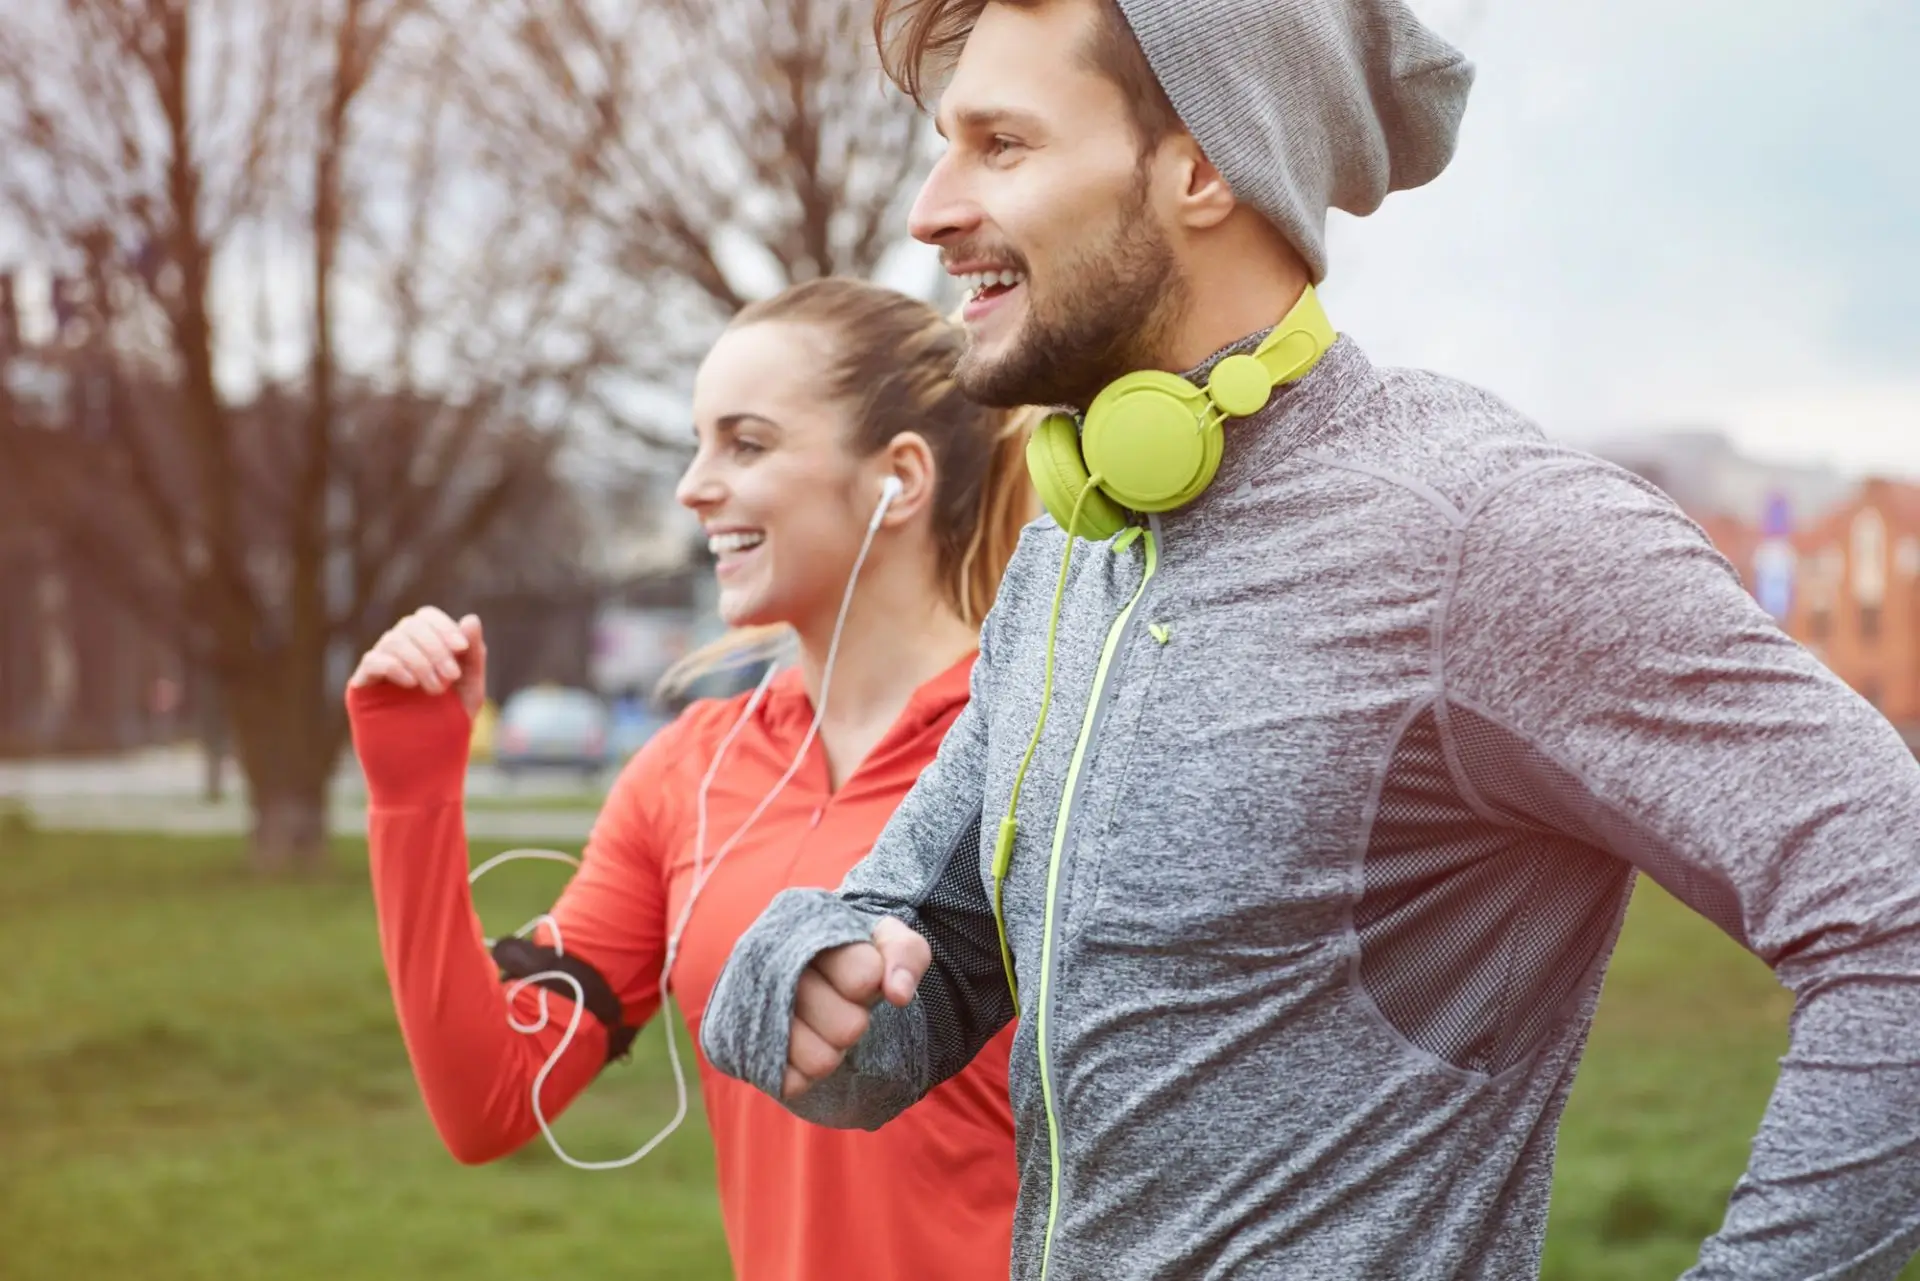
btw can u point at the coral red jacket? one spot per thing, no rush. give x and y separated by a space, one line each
929 1196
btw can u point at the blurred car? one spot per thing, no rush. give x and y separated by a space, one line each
552 727
635 721
485 721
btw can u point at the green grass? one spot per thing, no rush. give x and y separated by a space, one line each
200 1077
1678 1069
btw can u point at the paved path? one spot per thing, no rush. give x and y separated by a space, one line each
187 818
160 791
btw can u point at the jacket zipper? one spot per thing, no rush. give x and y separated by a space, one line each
1096 707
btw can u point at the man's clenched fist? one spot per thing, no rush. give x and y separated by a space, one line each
836 991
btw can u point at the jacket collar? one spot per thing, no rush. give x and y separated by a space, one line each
1296 416
788 710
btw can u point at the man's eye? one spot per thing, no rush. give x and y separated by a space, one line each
1000 145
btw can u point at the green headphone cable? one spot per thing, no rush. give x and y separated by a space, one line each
1003 844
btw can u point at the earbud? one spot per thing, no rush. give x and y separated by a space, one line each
889 490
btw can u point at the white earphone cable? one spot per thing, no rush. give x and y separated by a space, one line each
702 873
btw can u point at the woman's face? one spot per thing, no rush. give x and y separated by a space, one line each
784 503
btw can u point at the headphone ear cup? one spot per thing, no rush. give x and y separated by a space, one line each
1059 475
1212 445
1154 439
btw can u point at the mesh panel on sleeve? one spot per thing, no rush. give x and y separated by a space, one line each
1512 774
957 920
1475 938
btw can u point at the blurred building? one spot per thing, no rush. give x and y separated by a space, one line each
1708 475
78 672
1857 595
1836 561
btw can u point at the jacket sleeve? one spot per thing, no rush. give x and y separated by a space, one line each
1606 675
925 869
474 1071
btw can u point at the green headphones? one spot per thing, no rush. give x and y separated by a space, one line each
1153 439
1151 443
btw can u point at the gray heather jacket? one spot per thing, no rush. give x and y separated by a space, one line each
1326 846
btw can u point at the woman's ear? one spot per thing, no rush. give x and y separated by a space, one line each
908 460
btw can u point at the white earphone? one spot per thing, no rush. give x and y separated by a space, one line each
703 871
889 490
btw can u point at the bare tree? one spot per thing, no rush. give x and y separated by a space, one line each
338 275
736 147
328 329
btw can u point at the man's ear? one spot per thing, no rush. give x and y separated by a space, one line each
1203 199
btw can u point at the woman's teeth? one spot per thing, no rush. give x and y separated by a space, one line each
721 544
977 282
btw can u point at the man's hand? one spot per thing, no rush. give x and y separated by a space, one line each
831 1004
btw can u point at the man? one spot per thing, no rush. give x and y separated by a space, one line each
1354 752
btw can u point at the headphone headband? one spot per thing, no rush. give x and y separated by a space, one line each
1298 341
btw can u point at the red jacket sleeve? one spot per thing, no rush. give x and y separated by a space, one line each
474 1071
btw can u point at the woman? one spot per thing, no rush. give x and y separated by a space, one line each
858 505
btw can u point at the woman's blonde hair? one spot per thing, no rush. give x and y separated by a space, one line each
894 370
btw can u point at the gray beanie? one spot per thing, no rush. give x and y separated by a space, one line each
1308 105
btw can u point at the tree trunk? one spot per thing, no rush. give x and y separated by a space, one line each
289 774
213 742
290 829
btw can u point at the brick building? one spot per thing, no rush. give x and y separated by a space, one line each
1849 590
1737 540
1857 603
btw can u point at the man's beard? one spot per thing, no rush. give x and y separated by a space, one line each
1115 304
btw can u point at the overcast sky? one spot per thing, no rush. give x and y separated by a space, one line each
1664 213
1669 213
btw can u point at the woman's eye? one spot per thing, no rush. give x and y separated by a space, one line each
1000 145
748 447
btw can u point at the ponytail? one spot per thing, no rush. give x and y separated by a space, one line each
1008 503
